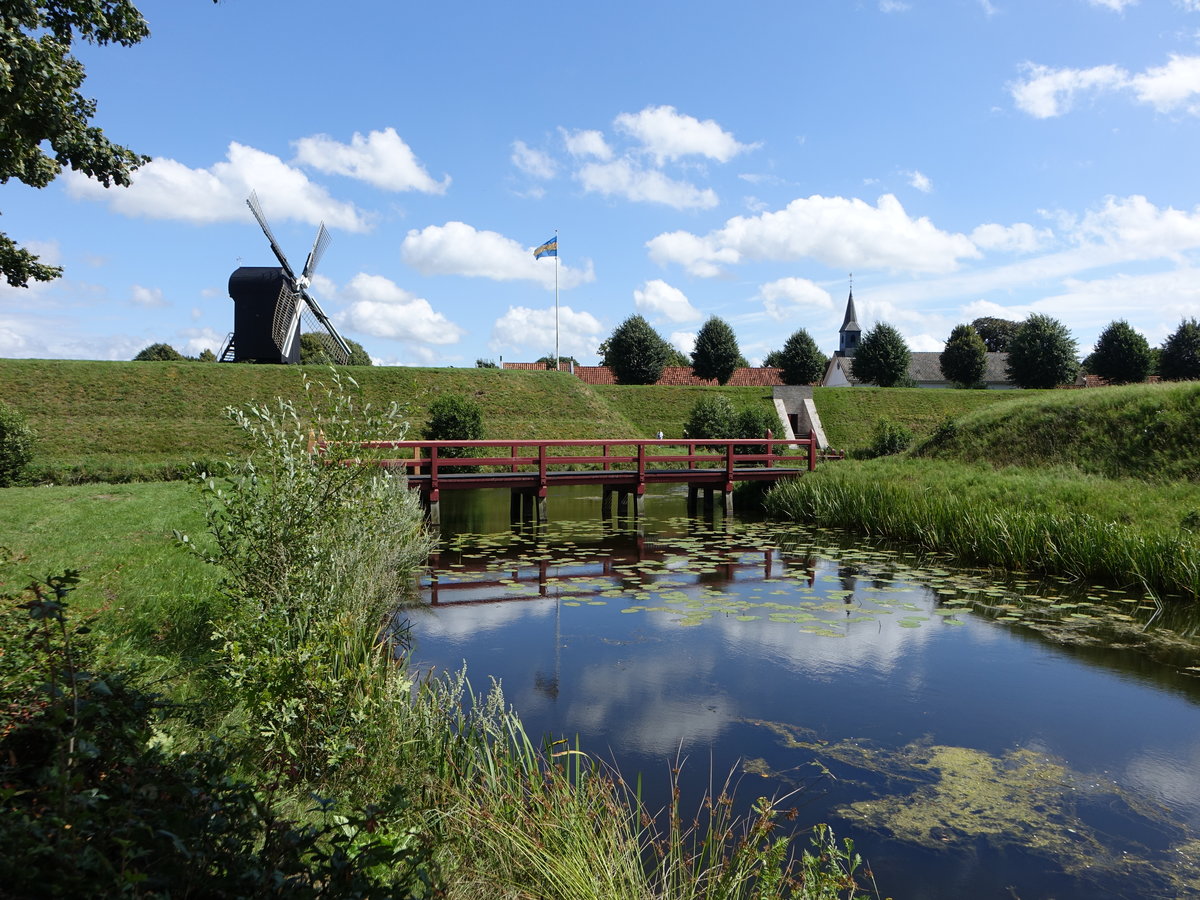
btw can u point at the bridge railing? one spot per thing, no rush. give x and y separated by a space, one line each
641 455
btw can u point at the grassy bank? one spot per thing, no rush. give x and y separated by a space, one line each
1101 484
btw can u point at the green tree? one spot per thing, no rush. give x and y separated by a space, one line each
965 357
712 416
206 355
676 357
1042 354
314 350
454 417
1121 356
1180 356
482 363
882 357
996 333
158 353
635 352
16 444
800 359
564 362
716 352
45 122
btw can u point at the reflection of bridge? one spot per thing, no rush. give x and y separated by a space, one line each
496 576
623 467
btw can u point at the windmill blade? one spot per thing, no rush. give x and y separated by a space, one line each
255 208
318 250
311 301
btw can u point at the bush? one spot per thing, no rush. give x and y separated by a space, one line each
888 439
454 418
16 445
159 353
713 416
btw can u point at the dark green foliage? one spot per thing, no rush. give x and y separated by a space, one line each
482 363
882 357
16 445
716 352
314 350
712 416
94 807
800 359
159 353
965 357
1180 357
888 439
564 362
44 120
756 421
996 333
676 357
636 352
1122 356
206 355
773 360
1042 354
454 418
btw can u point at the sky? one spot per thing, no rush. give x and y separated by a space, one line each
949 158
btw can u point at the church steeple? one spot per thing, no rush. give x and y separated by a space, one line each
850 332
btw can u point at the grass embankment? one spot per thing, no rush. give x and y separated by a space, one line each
1101 484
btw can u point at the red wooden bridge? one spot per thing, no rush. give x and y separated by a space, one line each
623 467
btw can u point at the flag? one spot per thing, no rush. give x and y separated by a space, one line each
550 248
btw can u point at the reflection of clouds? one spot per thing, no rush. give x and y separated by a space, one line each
459 623
1170 780
644 699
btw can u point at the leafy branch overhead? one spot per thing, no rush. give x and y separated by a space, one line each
45 122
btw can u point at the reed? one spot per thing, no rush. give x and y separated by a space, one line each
956 518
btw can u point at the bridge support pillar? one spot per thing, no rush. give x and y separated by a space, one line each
623 495
524 504
693 499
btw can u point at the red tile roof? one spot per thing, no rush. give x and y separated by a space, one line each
672 375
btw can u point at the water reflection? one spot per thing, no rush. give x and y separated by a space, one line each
918 705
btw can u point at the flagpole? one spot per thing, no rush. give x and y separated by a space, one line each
557 364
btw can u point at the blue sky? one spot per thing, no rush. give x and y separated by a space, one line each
960 157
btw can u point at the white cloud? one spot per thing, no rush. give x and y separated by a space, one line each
532 331
586 143
920 181
1173 87
669 135
624 178
167 189
1045 92
832 230
1134 228
459 249
891 6
533 162
988 8
661 300
197 340
381 159
381 308
787 297
147 297
1019 238
1114 5
683 341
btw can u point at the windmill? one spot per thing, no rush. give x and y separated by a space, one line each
271 306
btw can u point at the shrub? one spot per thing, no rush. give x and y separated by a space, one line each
754 422
159 353
454 418
16 445
712 416
888 439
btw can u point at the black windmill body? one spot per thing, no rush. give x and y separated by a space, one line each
271 304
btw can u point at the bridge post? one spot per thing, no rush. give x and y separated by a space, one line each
691 499
606 502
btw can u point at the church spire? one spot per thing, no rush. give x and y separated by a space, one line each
850 331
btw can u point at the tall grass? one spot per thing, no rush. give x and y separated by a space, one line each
939 516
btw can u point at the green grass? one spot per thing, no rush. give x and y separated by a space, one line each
652 408
122 421
849 414
1147 431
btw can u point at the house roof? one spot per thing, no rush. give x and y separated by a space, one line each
926 368
672 375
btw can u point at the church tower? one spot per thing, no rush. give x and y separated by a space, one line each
849 333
